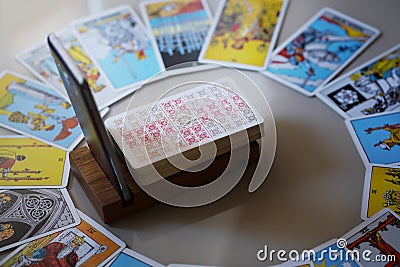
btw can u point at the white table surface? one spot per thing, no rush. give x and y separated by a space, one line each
313 191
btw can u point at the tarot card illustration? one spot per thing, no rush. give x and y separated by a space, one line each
27 214
372 88
319 50
33 109
179 28
131 258
38 60
377 137
381 189
87 244
244 33
380 235
333 254
103 93
119 44
26 162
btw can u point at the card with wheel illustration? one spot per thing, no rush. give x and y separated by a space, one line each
27 214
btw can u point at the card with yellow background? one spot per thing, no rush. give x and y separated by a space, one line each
26 162
381 189
244 33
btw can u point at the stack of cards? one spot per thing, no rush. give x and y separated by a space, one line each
155 134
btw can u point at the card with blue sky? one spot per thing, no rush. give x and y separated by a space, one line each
35 110
319 50
333 253
119 43
38 60
377 137
131 258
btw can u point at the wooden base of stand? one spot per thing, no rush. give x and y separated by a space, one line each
108 203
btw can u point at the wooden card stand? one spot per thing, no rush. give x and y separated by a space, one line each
108 203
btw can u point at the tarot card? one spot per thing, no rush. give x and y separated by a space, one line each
119 44
331 253
87 244
131 258
25 162
103 93
39 62
319 50
376 240
32 109
179 28
244 33
377 137
381 189
27 214
372 88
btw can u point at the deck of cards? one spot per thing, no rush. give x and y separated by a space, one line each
158 133
117 51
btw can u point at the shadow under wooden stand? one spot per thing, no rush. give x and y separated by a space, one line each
108 203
